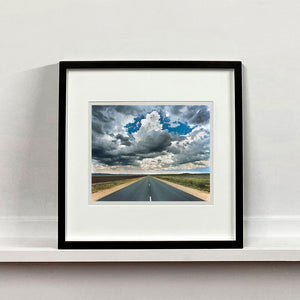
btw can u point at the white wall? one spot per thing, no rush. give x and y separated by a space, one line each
35 35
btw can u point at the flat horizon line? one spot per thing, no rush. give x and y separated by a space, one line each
148 173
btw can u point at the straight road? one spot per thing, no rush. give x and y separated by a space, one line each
149 189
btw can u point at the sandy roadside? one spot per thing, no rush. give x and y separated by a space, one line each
100 194
200 194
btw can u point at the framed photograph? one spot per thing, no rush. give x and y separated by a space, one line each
150 155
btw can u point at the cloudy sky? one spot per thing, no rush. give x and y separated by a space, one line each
150 139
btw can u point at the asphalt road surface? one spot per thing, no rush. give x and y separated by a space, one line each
149 189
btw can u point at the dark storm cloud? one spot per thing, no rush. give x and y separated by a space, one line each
124 109
113 145
101 121
105 117
97 128
111 154
194 114
113 159
200 115
128 109
193 156
176 109
174 150
156 141
100 116
197 151
152 146
125 140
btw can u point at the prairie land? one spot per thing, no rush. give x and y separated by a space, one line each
103 182
199 182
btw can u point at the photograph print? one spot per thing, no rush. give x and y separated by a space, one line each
150 153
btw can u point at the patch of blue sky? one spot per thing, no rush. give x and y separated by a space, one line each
175 127
95 162
163 118
204 170
180 129
135 125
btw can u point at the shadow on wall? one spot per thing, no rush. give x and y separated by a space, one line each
29 143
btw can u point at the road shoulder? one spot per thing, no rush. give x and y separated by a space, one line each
199 194
100 194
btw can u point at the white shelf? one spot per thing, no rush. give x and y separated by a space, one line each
33 239
45 250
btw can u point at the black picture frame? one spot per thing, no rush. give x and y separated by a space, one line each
236 66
